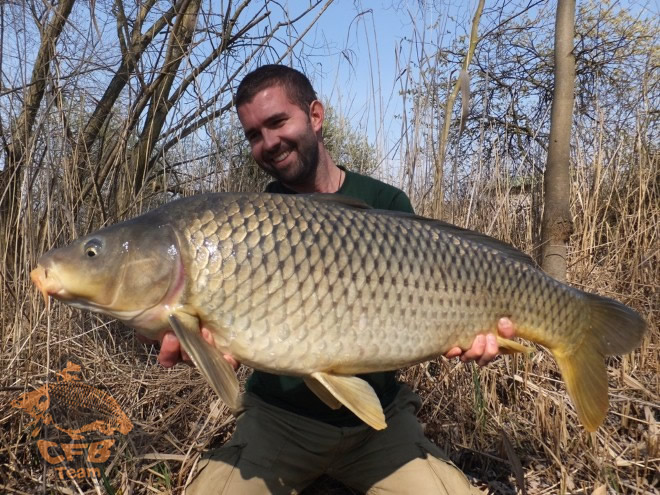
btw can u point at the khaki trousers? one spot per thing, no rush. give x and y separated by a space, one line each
279 452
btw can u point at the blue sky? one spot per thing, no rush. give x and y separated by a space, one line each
356 70
350 54
358 73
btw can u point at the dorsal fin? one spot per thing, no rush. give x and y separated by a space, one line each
479 238
469 235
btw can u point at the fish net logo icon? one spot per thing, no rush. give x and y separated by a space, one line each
85 414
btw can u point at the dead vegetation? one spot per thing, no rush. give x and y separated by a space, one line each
503 424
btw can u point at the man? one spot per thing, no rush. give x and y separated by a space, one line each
285 436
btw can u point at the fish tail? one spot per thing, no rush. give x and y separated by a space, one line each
607 328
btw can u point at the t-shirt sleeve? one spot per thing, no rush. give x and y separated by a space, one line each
400 202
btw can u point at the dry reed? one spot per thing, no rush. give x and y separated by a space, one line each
508 421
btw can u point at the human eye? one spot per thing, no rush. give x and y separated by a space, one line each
277 121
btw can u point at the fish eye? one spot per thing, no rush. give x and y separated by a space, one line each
92 248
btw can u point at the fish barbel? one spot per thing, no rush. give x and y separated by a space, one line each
323 287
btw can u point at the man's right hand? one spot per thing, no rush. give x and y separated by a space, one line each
171 352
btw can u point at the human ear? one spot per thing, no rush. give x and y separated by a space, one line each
316 115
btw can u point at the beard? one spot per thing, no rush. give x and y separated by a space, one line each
303 170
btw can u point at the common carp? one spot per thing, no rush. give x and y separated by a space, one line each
323 287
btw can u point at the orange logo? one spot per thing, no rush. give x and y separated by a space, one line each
70 395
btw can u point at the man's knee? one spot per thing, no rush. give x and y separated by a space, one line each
227 471
214 471
427 474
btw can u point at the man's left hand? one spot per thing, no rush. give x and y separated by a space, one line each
484 348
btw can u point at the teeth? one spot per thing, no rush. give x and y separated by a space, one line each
281 156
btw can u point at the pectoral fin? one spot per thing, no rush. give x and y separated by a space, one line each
322 392
209 360
356 394
510 347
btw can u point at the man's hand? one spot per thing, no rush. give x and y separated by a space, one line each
171 351
484 348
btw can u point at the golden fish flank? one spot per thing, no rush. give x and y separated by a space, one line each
325 288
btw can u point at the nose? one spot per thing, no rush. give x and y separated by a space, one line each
271 140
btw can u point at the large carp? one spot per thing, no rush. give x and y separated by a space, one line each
323 287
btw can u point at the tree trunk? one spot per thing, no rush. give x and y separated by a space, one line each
557 224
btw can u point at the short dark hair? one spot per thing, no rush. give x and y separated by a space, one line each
295 83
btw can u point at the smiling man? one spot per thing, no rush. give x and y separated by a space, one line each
283 141
286 437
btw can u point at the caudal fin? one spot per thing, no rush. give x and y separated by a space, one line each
609 328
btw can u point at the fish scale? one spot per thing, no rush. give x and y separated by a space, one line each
325 288
291 297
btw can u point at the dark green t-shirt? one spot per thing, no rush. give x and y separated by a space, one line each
290 392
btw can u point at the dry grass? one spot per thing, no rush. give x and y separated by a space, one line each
512 417
503 424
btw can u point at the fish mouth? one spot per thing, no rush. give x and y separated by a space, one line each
47 283
50 285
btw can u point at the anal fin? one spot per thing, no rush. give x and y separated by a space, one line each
209 360
357 395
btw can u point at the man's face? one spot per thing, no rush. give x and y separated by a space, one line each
282 136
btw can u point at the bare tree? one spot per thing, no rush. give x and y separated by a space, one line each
462 84
119 108
17 141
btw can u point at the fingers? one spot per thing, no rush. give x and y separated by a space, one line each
453 352
170 350
491 350
208 336
169 354
477 349
235 364
484 348
505 328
